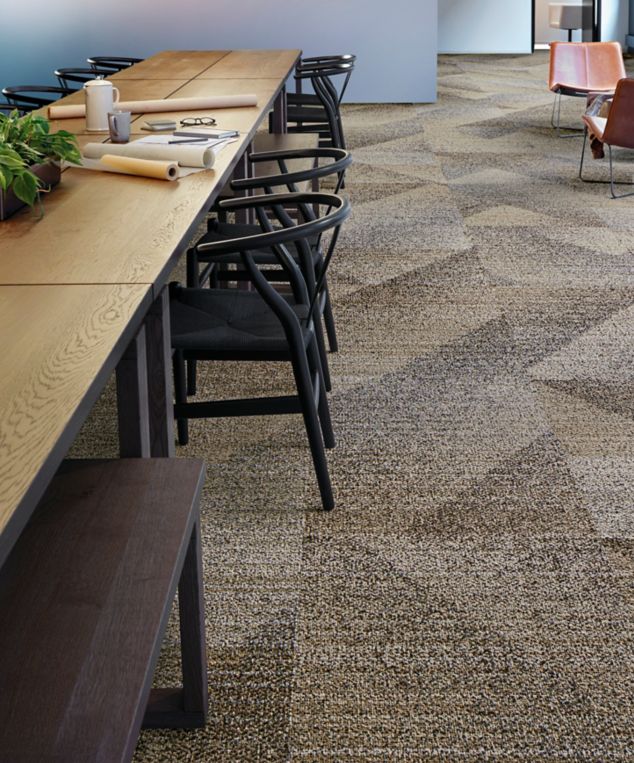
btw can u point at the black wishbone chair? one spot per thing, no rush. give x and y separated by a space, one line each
319 112
216 270
299 98
31 97
113 63
263 325
74 79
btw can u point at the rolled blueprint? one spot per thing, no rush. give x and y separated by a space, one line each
185 155
127 165
66 111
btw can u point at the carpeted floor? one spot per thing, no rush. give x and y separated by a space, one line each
471 597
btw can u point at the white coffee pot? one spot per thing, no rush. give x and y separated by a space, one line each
101 96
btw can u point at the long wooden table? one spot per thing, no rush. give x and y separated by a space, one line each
82 290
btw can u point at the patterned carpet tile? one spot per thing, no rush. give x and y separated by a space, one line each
472 595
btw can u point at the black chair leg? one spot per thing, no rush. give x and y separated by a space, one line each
192 378
329 321
180 393
313 430
323 355
323 411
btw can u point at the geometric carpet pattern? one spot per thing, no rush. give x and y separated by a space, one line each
471 597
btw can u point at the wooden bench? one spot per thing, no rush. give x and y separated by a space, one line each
84 600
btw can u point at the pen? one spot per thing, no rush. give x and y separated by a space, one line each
189 140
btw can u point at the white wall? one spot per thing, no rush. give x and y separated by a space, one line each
484 26
395 41
614 20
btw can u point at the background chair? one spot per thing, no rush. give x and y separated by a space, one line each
113 63
217 269
31 97
319 111
262 325
73 79
579 68
616 130
299 98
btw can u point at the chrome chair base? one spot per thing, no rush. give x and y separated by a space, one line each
611 182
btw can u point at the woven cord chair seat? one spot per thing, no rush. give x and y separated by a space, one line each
228 320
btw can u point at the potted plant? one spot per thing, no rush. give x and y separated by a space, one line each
30 157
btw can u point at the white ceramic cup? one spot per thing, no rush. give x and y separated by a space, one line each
101 96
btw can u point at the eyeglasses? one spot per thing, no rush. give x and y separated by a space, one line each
193 121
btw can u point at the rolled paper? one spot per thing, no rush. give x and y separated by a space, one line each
66 111
185 155
148 168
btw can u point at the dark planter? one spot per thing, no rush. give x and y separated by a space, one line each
50 175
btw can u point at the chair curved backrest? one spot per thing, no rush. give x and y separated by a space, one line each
274 209
30 97
328 67
8 108
113 63
69 76
340 161
335 58
288 181
322 80
585 66
618 129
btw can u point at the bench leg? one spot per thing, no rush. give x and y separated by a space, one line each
186 707
192 627
157 330
132 400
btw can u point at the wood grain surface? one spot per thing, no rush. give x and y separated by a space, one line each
253 64
55 342
106 228
103 554
175 64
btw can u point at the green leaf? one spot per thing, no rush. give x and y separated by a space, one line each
11 159
6 178
25 141
25 187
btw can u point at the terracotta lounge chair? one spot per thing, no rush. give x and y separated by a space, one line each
616 130
580 68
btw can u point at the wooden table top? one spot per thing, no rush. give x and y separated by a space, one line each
232 64
56 342
253 64
76 284
177 64
108 228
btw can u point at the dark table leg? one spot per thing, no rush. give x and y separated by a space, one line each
244 169
132 400
161 406
279 122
